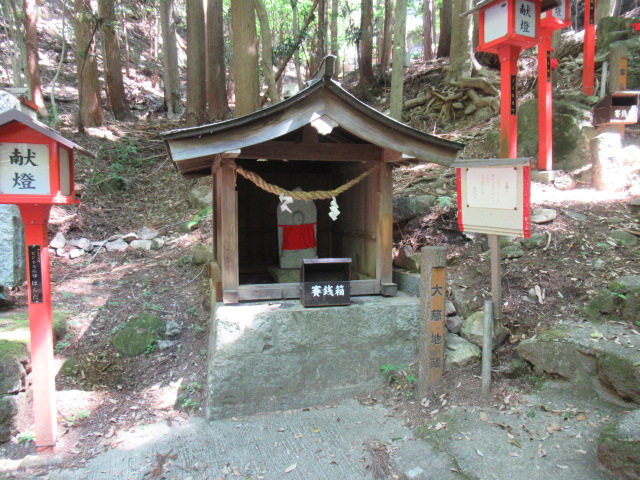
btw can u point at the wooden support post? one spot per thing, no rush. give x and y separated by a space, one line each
508 55
433 262
487 347
228 233
496 275
545 99
589 57
35 219
385 231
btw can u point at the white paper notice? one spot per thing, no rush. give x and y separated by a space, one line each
492 187
525 18
24 169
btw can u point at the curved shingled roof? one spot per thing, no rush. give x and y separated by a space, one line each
324 100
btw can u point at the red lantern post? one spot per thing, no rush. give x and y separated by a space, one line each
589 56
552 20
36 172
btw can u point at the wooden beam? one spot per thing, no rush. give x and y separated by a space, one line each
341 152
228 233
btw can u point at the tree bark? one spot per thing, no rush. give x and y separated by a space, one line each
33 60
112 62
366 45
90 112
217 104
196 72
335 46
607 8
428 30
267 51
319 45
463 60
444 42
296 55
387 40
399 31
171 74
245 57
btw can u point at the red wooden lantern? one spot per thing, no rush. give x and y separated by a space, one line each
515 23
36 163
36 172
557 17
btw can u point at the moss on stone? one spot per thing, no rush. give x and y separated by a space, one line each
438 439
621 374
631 309
146 321
604 302
70 368
134 341
617 453
553 334
9 349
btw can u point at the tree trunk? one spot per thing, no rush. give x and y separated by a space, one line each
267 51
33 61
296 55
90 112
217 104
245 57
428 30
196 72
444 42
335 46
319 45
607 8
366 45
387 40
12 27
399 31
171 74
463 60
112 63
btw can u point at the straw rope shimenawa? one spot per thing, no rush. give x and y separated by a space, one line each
299 194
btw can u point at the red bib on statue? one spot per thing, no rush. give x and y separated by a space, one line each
298 237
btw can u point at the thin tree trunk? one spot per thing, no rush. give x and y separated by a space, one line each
607 8
428 30
112 63
444 42
267 51
245 57
90 112
463 60
387 42
33 60
196 95
335 46
296 55
366 45
399 31
13 32
63 51
125 35
171 74
319 47
217 104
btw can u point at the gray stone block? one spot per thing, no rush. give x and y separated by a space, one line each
12 261
279 375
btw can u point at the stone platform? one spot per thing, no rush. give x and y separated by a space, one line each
268 357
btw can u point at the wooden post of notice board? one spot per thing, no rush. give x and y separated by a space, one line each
433 262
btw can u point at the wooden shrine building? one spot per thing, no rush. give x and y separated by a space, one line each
317 141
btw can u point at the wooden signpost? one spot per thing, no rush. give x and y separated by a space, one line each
433 289
36 172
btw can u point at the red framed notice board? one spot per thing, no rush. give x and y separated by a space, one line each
494 196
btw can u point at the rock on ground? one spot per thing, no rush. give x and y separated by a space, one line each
473 330
460 352
619 447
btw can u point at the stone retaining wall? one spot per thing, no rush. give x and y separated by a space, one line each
267 357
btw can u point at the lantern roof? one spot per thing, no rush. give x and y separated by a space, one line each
15 115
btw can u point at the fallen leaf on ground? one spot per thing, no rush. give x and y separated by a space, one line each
291 468
484 417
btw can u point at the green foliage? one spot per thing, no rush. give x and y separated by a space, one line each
190 403
27 436
194 387
73 419
205 212
445 202
64 343
152 347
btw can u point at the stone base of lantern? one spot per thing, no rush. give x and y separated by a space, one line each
545 176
